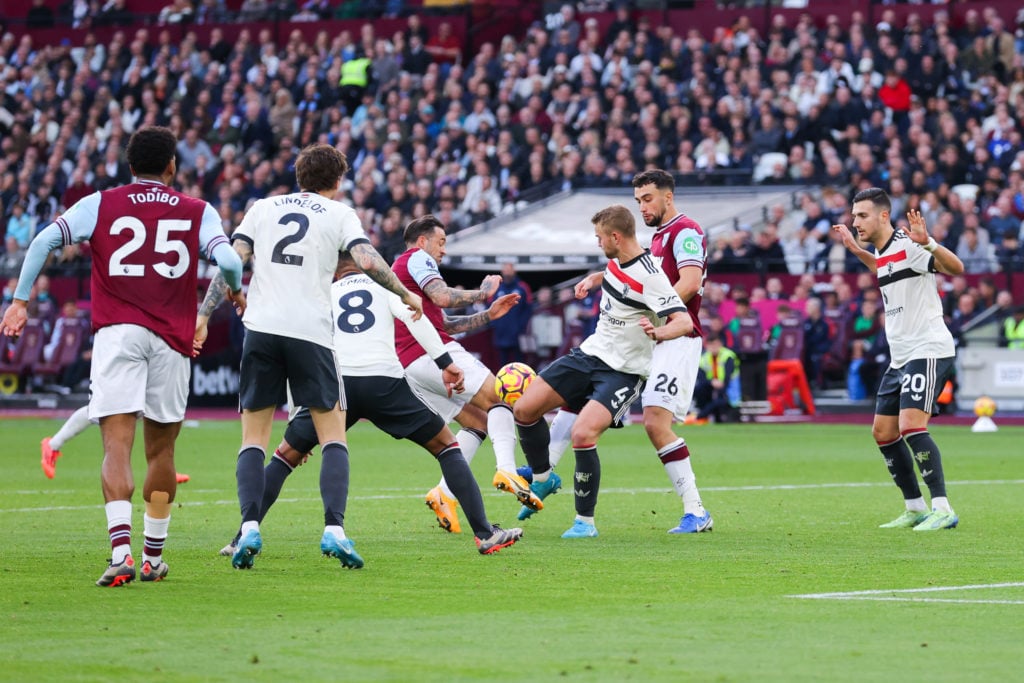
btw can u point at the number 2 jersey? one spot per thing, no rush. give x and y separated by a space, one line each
913 310
364 334
631 290
145 239
295 240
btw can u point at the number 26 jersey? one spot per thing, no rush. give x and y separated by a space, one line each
295 239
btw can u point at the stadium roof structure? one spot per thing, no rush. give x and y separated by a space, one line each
556 233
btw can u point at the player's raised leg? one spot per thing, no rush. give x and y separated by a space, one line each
442 499
534 437
51 445
455 470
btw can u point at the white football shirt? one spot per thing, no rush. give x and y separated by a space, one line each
364 328
631 290
295 240
913 311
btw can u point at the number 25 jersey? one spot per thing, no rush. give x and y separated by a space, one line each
145 239
295 240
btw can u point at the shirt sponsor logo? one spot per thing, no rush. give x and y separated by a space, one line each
691 246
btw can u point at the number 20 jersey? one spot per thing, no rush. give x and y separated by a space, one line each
295 240
145 239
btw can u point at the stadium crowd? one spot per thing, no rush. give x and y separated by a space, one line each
927 112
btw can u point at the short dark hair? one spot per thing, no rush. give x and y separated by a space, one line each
319 167
876 196
424 225
616 218
662 180
150 150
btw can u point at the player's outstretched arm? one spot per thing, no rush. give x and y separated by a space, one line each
865 256
438 291
588 283
373 264
16 315
459 324
945 260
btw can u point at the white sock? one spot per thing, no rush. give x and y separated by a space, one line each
250 526
680 473
916 505
154 529
119 513
75 425
501 427
588 520
541 477
469 441
336 530
561 435
941 504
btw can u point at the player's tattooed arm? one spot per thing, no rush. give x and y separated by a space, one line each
460 324
215 294
470 323
373 264
448 297
218 289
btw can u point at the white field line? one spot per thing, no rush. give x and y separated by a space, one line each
908 594
405 493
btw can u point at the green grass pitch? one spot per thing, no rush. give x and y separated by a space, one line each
796 511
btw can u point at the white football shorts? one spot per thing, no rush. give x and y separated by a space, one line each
426 380
673 375
134 371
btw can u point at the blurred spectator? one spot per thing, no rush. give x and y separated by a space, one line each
975 251
743 317
1009 255
966 310
717 390
817 342
444 48
767 254
1012 332
178 12
40 15
21 226
508 331
13 257
190 148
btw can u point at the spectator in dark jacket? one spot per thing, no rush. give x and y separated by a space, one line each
817 341
508 329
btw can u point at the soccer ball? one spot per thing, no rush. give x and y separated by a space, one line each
984 407
512 380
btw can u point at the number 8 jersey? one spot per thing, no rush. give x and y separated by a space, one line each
145 239
295 240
